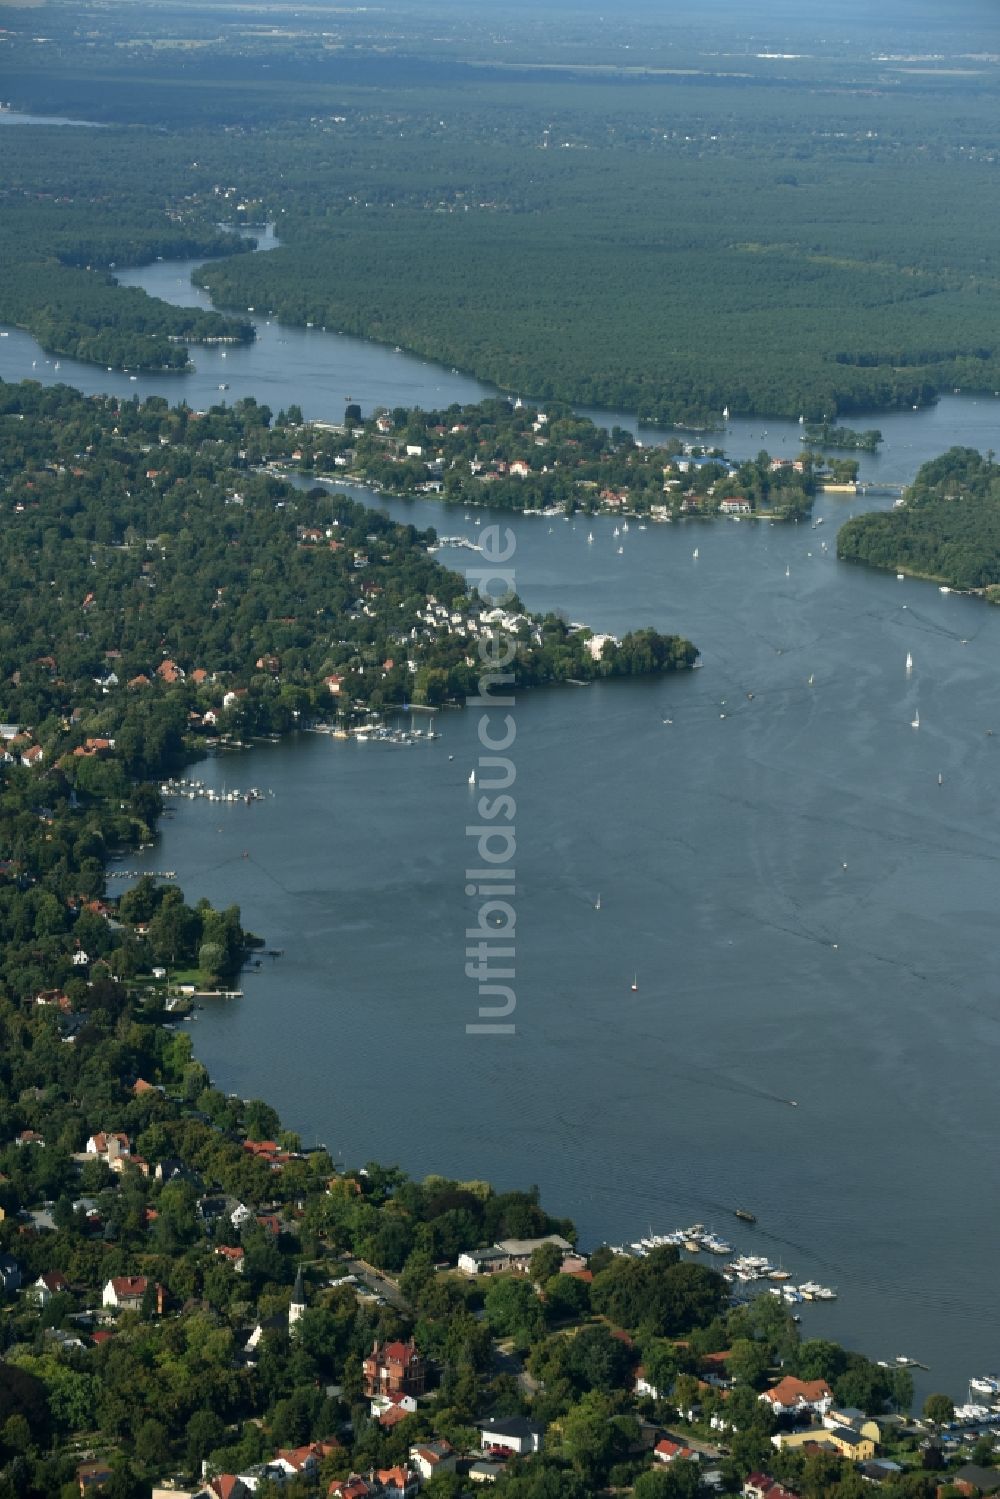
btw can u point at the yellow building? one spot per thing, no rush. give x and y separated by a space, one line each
854 1445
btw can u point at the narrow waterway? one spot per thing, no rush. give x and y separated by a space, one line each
320 371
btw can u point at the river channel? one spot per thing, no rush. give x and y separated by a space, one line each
804 886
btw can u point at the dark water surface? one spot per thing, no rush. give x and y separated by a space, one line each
767 971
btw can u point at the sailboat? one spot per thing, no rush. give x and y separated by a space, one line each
621 551
616 532
624 525
635 982
597 903
694 554
590 538
811 680
725 413
915 721
909 662
940 779
788 571
472 777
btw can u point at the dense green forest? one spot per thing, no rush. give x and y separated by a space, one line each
947 529
71 208
671 243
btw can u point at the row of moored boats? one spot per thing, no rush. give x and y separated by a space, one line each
744 1269
192 790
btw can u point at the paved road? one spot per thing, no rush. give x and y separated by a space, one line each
377 1283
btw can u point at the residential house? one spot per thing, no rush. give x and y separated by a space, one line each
125 1293
483 1261
354 1487
110 1148
395 1369
390 1417
511 1435
667 1451
735 505
519 1251
10 1273
763 1486
879 1470
796 1397
972 1476
42 1290
433 1457
228 1486
398 1482
485 1472
234 1256
643 1386
405 1403
29 1137
843 1439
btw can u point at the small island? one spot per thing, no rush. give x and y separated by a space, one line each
827 435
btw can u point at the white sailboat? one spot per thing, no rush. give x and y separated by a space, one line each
597 903
472 777
725 413
812 679
624 525
915 721
616 532
694 554
635 982
590 538
788 571
909 662
621 551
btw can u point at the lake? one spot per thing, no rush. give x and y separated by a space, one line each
808 913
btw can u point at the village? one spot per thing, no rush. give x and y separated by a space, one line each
548 463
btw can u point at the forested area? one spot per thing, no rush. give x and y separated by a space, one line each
670 244
948 528
74 205
161 541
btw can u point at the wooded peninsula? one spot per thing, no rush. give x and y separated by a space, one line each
947 529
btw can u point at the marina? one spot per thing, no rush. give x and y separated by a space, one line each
742 1272
193 790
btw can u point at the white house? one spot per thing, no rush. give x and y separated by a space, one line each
511 1434
792 1396
433 1457
241 1215
42 1290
